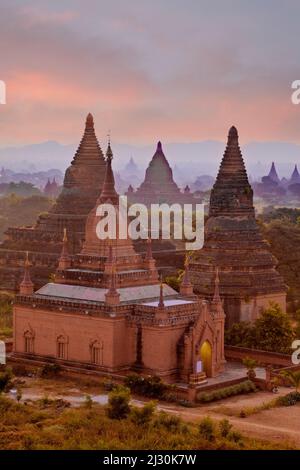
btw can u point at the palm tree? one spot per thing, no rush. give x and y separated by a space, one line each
293 378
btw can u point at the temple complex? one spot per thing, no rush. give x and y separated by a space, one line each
233 243
107 310
159 186
82 183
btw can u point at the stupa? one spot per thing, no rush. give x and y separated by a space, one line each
82 183
249 280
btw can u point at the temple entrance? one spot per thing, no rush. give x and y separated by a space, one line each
206 358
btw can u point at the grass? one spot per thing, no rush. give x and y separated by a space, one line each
45 425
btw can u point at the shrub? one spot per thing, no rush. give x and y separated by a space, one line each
172 423
142 416
109 385
288 400
88 402
118 403
5 378
244 387
151 386
50 370
207 429
225 427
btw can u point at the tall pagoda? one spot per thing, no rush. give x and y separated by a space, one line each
295 178
233 243
82 184
273 174
159 186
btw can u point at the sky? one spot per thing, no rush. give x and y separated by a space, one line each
175 70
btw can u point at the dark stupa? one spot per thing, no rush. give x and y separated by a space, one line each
82 185
273 174
234 245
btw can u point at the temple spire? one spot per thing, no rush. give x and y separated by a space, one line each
273 173
217 298
161 303
108 192
26 286
232 194
65 259
186 287
112 296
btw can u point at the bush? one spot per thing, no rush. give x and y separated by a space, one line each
5 378
288 400
244 387
118 403
142 416
50 370
171 422
225 427
151 386
207 429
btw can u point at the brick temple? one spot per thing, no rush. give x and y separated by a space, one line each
82 184
107 310
249 280
159 186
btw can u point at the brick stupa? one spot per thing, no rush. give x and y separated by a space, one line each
233 242
82 183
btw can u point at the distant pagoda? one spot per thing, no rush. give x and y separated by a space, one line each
273 174
82 185
234 244
159 186
295 178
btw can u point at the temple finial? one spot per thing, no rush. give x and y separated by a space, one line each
89 124
161 303
217 298
26 286
65 259
186 287
109 154
159 146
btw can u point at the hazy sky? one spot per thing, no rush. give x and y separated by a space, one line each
176 70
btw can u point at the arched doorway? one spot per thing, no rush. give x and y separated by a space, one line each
206 358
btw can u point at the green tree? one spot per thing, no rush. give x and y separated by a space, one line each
118 403
274 331
293 377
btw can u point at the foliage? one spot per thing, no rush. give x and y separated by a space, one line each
288 400
5 378
29 426
143 416
88 402
293 377
207 429
21 211
50 370
272 331
244 387
150 386
6 300
118 403
225 427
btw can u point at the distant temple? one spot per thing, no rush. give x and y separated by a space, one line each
82 184
159 186
295 178
51 188
107 310
233 242
273 174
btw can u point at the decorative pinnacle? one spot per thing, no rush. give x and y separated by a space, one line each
161 293
159 146
149 255
89 121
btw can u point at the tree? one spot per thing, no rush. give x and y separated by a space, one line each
293 378
118 403
274 331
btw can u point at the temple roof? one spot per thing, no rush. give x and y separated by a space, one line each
295 178
94 294
273 173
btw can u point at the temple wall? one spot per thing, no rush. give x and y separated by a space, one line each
160 347
252 309
79 331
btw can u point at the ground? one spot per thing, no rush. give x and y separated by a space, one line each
278 425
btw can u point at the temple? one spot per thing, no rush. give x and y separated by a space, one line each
295 178
233 243
82 183
159 186
273 174
107 310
